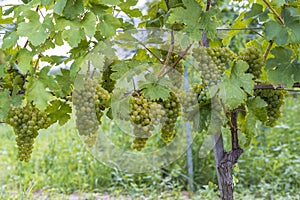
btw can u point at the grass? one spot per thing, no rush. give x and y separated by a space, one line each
61 168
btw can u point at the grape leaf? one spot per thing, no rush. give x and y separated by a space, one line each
282 69
108 25
256 9
105 2
9 40
7 20
256 111
25 60
277 32
73 36
35 31
126 7
65 81
54 60
36 92
121 68
59 6
154 88
46 2
190 16
89 24
234 88
73 9
59 111
4 104
292 22
49 81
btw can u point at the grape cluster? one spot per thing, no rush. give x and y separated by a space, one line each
255 60
90 102
172 108
11 79
212 63
274 99
26 122
176 75
202 94
84 102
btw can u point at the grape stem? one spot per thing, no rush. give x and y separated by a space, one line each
152 53
268 49
177 61
171 48
274 11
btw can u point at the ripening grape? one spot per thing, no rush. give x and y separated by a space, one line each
274 99
90 102
255 60
172 108
202 94
26 122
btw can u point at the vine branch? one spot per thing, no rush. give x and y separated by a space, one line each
152 53
268 49
274 11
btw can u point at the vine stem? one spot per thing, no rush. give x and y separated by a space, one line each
171 48
268 49
274 11
152 53
177 61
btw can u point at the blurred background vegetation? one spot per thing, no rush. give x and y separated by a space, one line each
61 168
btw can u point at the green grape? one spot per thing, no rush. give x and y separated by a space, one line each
172 108
84 102
12 79
202 94
255 60
274 99
212 63
26 122
102 100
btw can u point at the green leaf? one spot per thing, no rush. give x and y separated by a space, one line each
54 60
4 104
89 24
25 60
282 69
108 25
59 6
121 68
154 88
233 89
97 61
256 9
190 16
239 23
73 36
35 31
105 2
46 2
126 7
10 40
65 81
36 92
256 111
73 9
7 20
59 111
277 32
292 21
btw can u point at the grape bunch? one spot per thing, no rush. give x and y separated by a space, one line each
90 102
84 102
12 79
26 122
202 94
140 118
176 75
172 108
255 60
274 99
212 63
